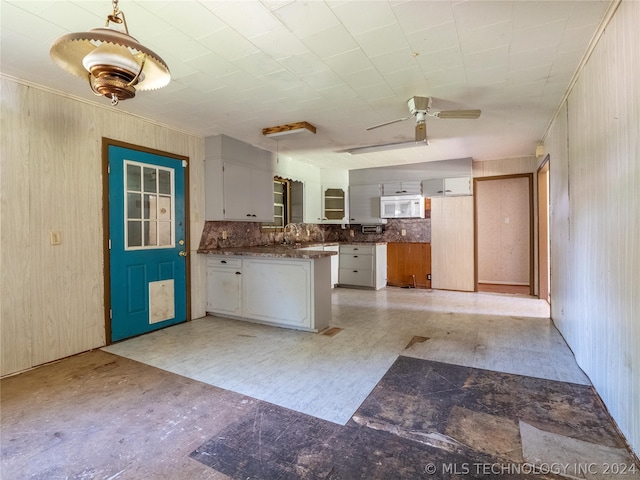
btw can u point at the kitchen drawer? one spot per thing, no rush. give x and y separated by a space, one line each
360 278
357 249
356 261
224 261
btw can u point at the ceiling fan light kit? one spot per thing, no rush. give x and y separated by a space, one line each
114 62
289 129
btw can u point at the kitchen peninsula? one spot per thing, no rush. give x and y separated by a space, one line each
277 285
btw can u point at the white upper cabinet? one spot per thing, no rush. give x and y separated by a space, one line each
312 202
433 187
238 181
408 187
364 204
248 193
455 186
334 204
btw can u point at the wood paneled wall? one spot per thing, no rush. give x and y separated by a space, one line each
53 295
594 147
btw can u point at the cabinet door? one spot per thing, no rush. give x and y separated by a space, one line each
407 187
457 186
224 287
237 192
261 196
248 193
334 205
433 187
364 204
312 202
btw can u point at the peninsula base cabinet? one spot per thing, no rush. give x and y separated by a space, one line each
363 266
292 293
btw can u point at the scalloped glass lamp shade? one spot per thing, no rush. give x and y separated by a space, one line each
114 62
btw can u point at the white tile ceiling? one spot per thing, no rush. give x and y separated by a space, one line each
240 66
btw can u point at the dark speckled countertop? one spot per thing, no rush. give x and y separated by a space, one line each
275 251
282 251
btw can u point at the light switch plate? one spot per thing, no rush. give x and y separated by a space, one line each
55 238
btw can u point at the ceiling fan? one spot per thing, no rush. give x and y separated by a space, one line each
420 107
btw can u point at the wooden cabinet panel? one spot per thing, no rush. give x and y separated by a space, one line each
409 261
452 239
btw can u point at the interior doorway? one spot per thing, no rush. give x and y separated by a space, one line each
504 234
544 259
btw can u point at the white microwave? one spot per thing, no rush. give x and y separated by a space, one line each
402 206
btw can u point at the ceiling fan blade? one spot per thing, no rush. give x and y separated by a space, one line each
389 123
458 114
421 132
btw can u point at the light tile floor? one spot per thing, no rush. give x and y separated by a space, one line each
329 377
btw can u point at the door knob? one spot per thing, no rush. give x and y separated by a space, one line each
182 253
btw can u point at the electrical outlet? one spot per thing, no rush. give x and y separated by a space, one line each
224 234
403 232
55 238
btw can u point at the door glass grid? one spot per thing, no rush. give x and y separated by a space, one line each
149 206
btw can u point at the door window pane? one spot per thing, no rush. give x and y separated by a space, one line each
134 207
164 233
133 177
134 234
164 182
164 208
149 205
150 180
150 234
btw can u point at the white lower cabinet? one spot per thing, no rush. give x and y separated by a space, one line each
224 285
335 260
293 293
335 263
363 266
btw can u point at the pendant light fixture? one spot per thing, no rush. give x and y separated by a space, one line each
114 62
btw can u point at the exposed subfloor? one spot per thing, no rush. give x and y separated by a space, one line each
411 384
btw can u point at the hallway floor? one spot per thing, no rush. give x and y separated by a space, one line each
411 384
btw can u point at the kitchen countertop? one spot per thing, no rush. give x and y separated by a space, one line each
275 251
298 250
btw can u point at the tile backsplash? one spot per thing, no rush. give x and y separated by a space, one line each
247 234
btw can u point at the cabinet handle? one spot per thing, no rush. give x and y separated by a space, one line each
254 215
355 249
223 261
355 271
248 215
238 273
355 256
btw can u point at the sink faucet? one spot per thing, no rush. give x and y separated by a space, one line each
286 230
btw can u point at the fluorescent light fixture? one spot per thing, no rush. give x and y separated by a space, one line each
289 129
386 146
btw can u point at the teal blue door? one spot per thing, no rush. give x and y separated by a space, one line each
148 250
